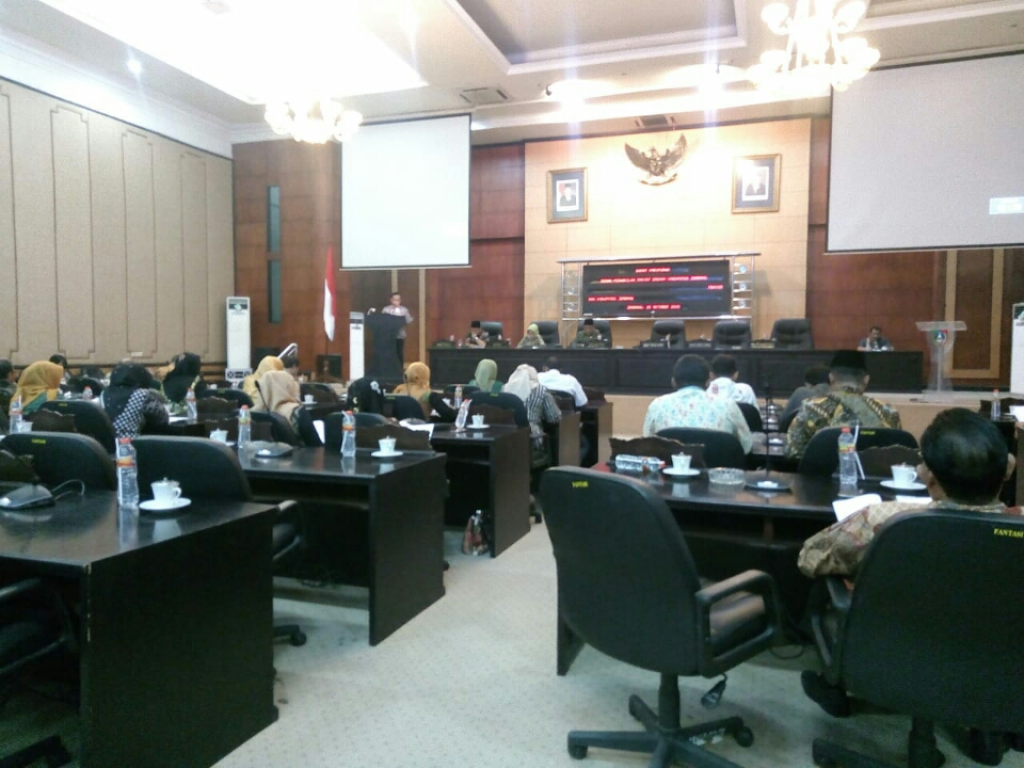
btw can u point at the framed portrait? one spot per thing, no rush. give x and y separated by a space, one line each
755 183
567 195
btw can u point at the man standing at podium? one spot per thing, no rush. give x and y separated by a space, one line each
395 308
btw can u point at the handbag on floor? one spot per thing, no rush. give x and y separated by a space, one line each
475 539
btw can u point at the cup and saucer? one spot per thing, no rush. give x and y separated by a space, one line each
220 436
681 467
904 478
477 422
387 449
166 497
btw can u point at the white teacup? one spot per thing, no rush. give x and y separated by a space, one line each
903 474
220 435
478 419
681 462
307 399
387 445
166 491
24 426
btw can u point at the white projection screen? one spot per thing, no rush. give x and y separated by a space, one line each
929 157
405 195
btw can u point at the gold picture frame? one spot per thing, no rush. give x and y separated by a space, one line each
755 183
567 195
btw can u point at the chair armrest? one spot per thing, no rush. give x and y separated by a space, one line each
21 588
751 581
838 593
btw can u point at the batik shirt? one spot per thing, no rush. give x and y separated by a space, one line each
693 407
840 548
843 407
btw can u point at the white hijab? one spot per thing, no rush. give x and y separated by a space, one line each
522 381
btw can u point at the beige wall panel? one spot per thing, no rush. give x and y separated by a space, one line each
73 232
195 254
169 279
140 257
221 252
8 254
36 275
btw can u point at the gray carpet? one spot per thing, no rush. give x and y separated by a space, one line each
471 682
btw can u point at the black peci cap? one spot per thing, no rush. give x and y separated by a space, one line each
589 321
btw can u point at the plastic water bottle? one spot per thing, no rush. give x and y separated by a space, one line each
997 406
190 406
460 419
87 393
127 475
15 415
458 395
348 435
847 459
244 427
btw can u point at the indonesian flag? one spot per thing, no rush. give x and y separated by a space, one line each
329 295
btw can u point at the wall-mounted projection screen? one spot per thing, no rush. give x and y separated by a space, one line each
929 157
405 195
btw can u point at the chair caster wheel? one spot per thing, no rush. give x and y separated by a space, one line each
297 639
821 759
577 751
744 737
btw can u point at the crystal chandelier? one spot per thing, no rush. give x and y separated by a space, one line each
314 121
815 57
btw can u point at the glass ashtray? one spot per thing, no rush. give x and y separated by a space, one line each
727 476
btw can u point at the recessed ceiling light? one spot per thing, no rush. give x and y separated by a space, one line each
135 67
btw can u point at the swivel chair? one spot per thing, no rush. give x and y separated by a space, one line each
752 415
34 624
280 430
404 407
673 330
548 330
334 423
405 439
731 334
61 456
494 328
207 469
504 400
628 586
792 333
90 420
720 448
237 396
946 653
322 393
821 456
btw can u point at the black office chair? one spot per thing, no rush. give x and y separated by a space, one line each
467 390
752 414
206 469
322 393
792 333
281 431
504 400
949 653
731 334
628 586
786 420
77 384
61 456
90 419
236 396
821 456
720 448
548 330
405 439
494 328
673 330
334 422
405 407
34 624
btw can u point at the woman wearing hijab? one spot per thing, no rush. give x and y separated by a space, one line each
417 386
280 393
250 384
186 374
132 406
541 407
486 376
39 383
532 339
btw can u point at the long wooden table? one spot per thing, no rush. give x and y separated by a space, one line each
649 371
176 656
380 522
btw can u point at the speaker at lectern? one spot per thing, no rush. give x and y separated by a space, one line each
941 334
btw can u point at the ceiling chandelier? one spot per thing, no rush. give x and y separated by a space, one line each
815 57
315 121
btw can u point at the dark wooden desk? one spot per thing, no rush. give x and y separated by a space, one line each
176 657
501 456
649 371
597 426
388 515
565 439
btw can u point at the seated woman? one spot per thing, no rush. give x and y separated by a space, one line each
281 395
532 339
250 384
417 386
38 383
186 373
541 407
486 376
132 406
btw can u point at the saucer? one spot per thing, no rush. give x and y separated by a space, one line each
912 487
691 472
382 455
480 426
228 443
162 506
767 485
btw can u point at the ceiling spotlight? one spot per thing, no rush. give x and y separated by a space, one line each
134 66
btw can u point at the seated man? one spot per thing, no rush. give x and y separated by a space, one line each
589 336
964 465
691 406
476 337
815 385
845 405
726 383
552 378
875 341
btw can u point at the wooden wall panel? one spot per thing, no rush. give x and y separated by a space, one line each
8 252
140 241
193 255
497 204
974 271
409 287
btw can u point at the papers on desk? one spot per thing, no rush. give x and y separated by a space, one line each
1017 411
417 427
846 507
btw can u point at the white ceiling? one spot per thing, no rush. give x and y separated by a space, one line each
650 55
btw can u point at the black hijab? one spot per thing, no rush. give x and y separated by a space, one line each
187 367
124 380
